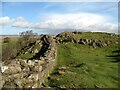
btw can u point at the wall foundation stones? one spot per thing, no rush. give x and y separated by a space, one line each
29 73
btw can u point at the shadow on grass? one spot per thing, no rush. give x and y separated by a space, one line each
41 52
116 56
26 47
44 48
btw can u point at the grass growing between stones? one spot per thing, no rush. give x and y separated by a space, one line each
29 53
85 67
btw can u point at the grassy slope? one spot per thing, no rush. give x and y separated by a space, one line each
95 70
94 35
29 55
13 41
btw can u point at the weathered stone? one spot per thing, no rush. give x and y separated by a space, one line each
104 44
36 61
42 62
18 75
26 52
87 41
3 68
116 42
28 85
28 81
37 68
19 82
31 63
38 41
98 44
108 42
61 72
94 45
34 77
13 69
2 82
6 77
23 63
29 50
29 73
35 85
26 69
82 41
25 75
40 68
36 51
9 85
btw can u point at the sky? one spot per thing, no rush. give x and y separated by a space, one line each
56 17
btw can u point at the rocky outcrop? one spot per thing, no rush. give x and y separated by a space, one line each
71 37
29 73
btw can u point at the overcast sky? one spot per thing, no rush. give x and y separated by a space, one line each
55 17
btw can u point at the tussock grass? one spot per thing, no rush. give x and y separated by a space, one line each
85 67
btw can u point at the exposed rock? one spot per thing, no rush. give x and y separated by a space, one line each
61 72
38 41
37 68
19 82
26 52
23 63
28 85
35 85
94 45
62 68
36 51
34 77
87 41
116 42
31 63
99 44
82 41
26 69
12 69
104 44
28 81
29 50
41 62
20 73
3 68
17 76
9 85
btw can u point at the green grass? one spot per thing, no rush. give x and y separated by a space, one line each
29 54
93 35
13 41
25 56
85 67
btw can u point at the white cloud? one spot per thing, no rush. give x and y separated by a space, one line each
20 22
82 21
4 20
61 22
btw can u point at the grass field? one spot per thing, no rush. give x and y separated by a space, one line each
13 40
81 66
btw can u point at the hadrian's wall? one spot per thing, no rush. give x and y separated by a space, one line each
29 73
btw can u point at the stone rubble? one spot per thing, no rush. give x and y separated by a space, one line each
91 42
29 73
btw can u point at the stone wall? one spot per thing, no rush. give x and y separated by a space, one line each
69 37
91 42
29 73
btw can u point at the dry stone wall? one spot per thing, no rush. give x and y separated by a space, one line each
29 73
70 37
